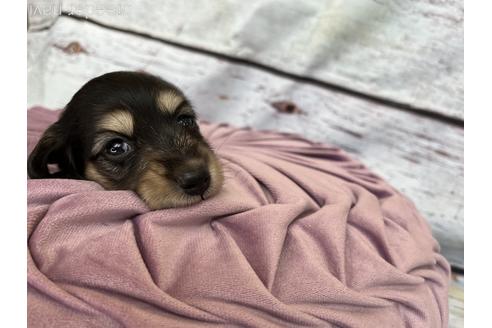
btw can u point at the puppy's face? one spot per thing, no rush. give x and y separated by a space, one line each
128 130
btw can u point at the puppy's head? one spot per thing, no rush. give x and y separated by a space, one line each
129 130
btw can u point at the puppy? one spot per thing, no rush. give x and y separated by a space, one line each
130 130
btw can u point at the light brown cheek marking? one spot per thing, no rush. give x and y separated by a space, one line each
93 174
169 100
158 192
152 188
216 174
119 121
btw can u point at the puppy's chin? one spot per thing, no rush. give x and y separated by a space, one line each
158 192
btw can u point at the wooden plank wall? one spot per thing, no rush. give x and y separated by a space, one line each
407 51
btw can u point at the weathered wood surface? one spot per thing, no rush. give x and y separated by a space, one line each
421 157
408 51
457 301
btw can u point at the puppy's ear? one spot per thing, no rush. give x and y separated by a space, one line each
53 148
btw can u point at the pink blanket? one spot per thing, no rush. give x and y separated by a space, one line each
301 236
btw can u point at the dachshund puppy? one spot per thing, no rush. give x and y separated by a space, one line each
130 130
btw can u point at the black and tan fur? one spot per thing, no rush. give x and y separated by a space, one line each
129 130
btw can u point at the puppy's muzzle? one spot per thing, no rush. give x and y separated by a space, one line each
194 182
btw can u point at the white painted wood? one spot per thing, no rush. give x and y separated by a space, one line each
421 157
409 51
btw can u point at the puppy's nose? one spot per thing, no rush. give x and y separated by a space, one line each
194 182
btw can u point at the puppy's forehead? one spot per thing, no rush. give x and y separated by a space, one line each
169 100
119 120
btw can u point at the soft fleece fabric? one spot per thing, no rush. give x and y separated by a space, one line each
300 236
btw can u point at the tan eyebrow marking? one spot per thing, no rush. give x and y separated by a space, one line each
120 121
169 100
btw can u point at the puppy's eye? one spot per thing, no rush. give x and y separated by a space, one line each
117 147
186 120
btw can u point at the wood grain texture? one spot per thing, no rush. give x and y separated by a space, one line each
407 51
423 158
457 301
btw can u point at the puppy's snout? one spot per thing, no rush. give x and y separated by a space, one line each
194 182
